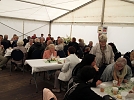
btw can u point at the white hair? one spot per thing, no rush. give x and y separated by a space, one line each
121 61
20 43
103 37
37 40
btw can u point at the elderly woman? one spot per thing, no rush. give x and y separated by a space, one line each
66 72
50 53
60 45
29 44
22 48
104 53
118 71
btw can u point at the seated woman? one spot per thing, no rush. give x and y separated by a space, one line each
22 48
66 72
50 53
118 71
29 44
88 60
82 91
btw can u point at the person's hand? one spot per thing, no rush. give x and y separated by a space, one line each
98 82
2 46
96 68
125 81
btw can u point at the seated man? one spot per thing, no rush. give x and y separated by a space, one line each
118 71
66 72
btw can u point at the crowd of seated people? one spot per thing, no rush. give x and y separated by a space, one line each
99 58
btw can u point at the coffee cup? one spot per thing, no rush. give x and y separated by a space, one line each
115 90
115 83
102 87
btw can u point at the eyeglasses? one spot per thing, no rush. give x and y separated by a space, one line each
119 66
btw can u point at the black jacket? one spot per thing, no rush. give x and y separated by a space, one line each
6 43
83 92
34 47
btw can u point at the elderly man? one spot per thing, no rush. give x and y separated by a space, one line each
118 71
5 42
36 46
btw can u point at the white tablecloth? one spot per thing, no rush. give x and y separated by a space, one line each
39 65
97 90
8 52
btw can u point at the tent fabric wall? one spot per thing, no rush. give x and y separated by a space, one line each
15 26
122 37
117 11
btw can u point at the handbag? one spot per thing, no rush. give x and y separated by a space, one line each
108 97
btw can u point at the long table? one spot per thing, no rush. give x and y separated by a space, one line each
108 89
40 65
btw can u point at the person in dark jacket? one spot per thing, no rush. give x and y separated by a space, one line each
14 44
5 42
35 46
88 60
83 91
74 44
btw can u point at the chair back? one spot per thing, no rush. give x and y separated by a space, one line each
80 53
76 69
36 54
17 55
66 96
65 50
61 54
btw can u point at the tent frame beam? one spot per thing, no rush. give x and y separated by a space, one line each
120 24
43 5
23 19
11 28
103 12
127 1
74 10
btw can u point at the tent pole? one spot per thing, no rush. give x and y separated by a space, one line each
23 29
102 15
50 27
71 30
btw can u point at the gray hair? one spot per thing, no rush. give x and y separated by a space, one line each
61 40
20 43
103 37
121 61
37 40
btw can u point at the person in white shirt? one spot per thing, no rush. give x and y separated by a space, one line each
29 44
60 45
66 72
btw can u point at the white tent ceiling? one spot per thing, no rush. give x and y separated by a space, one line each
48 10
45 10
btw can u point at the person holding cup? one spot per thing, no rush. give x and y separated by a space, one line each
118 71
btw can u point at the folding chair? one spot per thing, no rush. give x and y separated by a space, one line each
17 59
